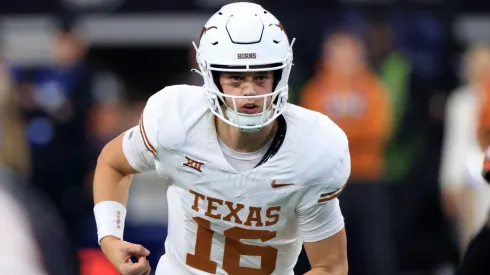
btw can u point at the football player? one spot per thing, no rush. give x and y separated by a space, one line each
254 178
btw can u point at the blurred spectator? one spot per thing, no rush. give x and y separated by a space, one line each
475 260
32 238
13 147
465 197
57 99
345 89
394 70
405 48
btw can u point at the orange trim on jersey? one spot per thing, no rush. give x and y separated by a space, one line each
146 141
330 196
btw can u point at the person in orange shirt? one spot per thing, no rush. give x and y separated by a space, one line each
346 90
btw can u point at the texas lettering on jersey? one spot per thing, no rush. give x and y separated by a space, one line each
254 214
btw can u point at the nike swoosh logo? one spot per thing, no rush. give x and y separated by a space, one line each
279 185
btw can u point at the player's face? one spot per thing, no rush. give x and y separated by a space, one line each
247 84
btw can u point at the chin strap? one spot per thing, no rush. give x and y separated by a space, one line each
248 120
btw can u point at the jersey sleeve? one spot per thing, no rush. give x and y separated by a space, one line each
135 149
140 142
319 214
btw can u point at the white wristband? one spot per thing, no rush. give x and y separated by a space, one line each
110 217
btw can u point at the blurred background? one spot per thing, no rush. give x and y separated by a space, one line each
407 80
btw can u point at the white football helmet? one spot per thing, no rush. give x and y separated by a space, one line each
244 37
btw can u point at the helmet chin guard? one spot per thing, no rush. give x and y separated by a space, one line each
244 37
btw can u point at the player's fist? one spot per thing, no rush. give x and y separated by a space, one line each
119 253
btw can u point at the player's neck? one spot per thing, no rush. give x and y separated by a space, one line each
244 142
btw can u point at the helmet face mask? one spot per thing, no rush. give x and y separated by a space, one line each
243 37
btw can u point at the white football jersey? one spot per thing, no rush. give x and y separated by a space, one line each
222 221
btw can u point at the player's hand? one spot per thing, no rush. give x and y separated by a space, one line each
119 253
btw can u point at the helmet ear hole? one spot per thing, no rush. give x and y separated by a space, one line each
216 81
277 77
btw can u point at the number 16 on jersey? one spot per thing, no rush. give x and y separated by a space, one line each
233 250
